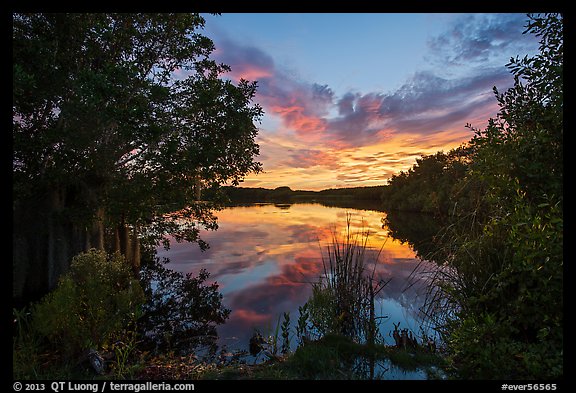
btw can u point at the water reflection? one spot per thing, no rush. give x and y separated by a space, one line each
265 256
420 231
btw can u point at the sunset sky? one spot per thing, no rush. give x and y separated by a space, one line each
351 99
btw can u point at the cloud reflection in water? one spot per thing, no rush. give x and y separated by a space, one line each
264 258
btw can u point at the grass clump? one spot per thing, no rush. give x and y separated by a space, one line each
342 301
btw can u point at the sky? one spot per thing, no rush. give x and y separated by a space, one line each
352 99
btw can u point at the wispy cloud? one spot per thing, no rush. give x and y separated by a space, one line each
301 106
479 38
426 103
306 158
248 62
431 107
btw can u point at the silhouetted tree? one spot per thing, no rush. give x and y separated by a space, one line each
117 120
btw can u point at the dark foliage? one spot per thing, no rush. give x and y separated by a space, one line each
500 259
420 231
433 185
181 312
118 119
286 194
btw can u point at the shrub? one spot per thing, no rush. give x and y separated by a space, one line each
92 303
508 284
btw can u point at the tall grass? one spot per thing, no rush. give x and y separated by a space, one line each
461 269
342 300
448 272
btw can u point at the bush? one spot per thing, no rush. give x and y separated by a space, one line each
509 286
322 310
91 305
503 271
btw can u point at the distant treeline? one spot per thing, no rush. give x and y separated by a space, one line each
286 194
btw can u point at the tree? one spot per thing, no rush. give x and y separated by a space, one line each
429 185
506 259
498 288
524 143
117 120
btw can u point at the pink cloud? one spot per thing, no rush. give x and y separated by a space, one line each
294 118
251 72
300 106
424 105
250 317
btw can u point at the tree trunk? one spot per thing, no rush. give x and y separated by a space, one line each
100 228
126 246
59 238
46 238
117 247
135 250
94 234
87 242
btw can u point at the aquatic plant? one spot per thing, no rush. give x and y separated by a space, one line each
342 300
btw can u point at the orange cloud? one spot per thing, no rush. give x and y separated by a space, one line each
299 122
307 148
250 317
295 118
306 158
311 165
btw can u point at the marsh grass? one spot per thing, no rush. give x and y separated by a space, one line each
342 300
459 269
26 357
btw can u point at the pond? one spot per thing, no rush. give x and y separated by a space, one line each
265 257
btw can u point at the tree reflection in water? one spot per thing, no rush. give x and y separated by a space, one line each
265 257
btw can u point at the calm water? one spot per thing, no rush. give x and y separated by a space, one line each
265 256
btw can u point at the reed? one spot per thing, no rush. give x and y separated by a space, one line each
343 299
